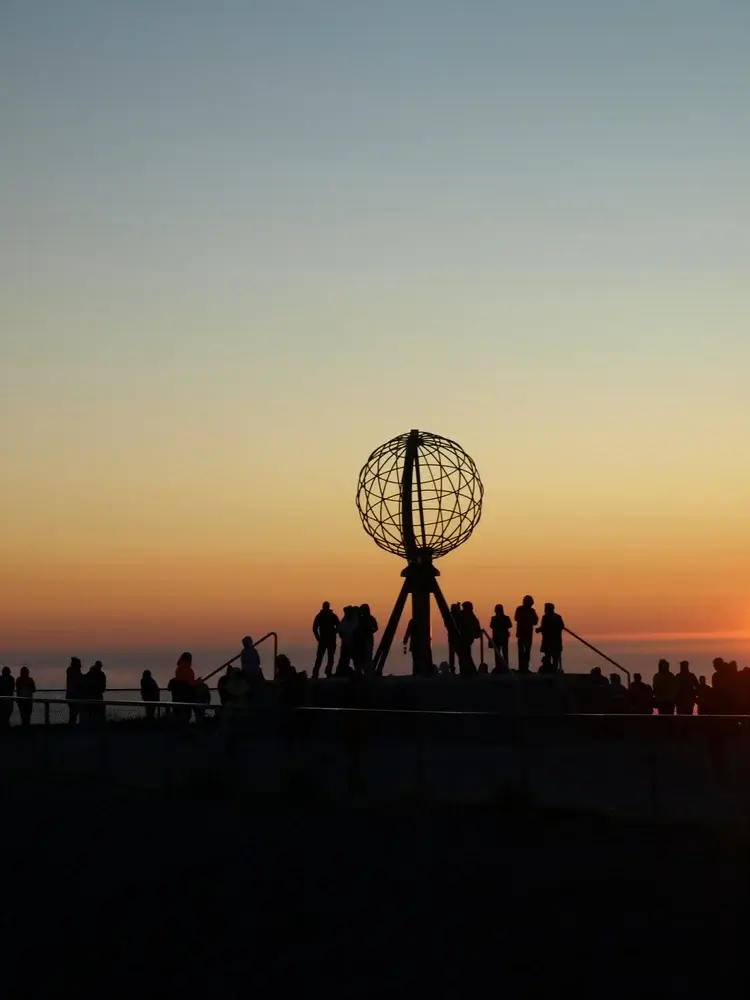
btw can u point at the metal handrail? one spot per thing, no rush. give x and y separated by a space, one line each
100 701
268 635
79 702
599 653
370 710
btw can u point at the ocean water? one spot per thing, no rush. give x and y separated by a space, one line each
637 654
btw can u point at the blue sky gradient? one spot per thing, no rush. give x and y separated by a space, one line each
243 243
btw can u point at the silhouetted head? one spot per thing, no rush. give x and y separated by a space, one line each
614 680
187 658
718 664
75 663
467 606
528 602
663 666
98 665
455 607
6 671
549 608
326 605
596 671
24 672
146 675
732 666
364 609
684 666
247 643
283 666
499 609
702 681
637 679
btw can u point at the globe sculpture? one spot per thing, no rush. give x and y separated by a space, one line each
419 497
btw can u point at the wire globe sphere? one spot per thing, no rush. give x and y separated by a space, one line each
444 501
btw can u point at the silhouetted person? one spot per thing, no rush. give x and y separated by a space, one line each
705 698
181 688
455 610
149 693
237 690
641 697
500 626
599 690
597 677
325 630
526 620
721 687
363 642
25 691
74 688
408 648
470 630
202 699
7 690
686 689
250 663
732 682
237 699
743 691
547 665
665 689
283 670
551 629
94 686
618 696
221 685
347 631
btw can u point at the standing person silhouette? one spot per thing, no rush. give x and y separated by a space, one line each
7 690
325 629
551 629
25 691
500 626
347 631
74 685
526 620
665 689
470 630
364 640
686 689
452 651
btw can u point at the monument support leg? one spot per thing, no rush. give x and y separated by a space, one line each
420 623
386 640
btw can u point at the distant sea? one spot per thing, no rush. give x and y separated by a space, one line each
125 666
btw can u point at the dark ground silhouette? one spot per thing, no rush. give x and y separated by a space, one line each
218 897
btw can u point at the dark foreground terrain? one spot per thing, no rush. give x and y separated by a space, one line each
193 894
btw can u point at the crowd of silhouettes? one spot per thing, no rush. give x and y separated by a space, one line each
353 633
683 693
345 648
353 637
23 689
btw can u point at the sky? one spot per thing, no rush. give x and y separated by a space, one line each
245 242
